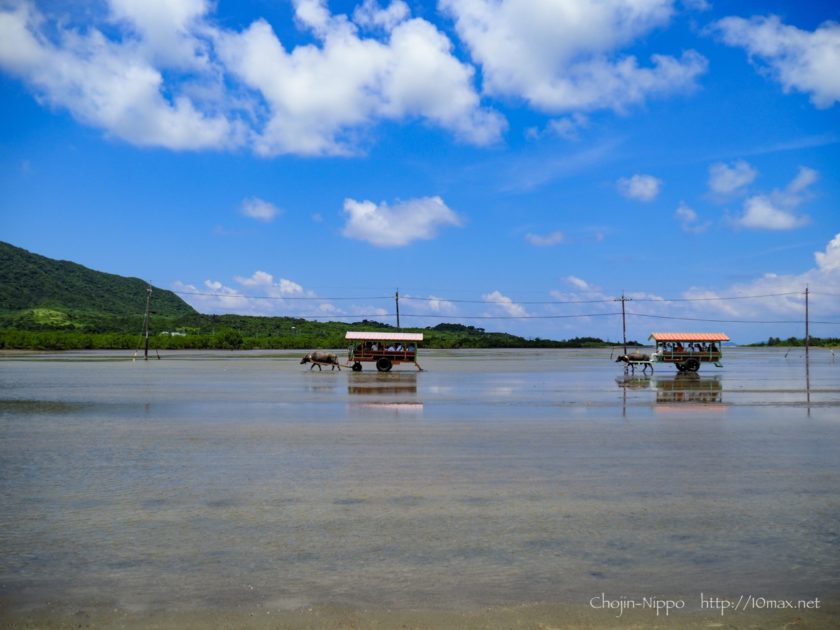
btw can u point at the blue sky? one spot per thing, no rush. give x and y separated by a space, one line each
511 164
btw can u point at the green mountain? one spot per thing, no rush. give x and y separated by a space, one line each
37 292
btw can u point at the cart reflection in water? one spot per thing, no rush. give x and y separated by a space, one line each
691 388
685 391
394 392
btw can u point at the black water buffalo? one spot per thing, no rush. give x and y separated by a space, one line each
321 358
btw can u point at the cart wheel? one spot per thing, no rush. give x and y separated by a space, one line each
680 367
384 365
357 367
692 365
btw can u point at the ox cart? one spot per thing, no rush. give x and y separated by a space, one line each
687 351
384 349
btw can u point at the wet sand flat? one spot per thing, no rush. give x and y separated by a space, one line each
494 489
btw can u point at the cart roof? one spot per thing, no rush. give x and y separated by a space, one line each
383 335
696 336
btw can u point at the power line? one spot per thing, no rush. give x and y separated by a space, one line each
707 299
275 297
465 301
730 321
512 316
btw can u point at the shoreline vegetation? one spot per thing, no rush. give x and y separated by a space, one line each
304 335
797 342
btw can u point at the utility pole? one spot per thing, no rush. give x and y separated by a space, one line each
623 299
807 332
397 298
807 355
146 321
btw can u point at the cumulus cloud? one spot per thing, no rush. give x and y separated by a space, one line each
801 60
506 304
431 304
578 283
316 95
563 55
689 220
371 15
111 84
822 279
640 187
730 179
828 262
545 240
163 73
778 209
383 225
264 280
260 278
259 209
257 294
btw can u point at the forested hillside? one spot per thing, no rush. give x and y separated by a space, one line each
37 293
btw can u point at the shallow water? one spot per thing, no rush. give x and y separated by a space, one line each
492 478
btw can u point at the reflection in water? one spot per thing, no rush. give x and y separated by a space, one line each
382 383
689 387
630 381
386 391
683 388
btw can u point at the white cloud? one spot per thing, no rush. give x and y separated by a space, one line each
505 303
398 225
260 278
823 280
777 210
829 261
258 294
761 213
109 84
570 126
725 179
560 55
165 29
639 187
806 61
371 15
259 209
689 220
578 283
163 73
545 240
317 96
429 305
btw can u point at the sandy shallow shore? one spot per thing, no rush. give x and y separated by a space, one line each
530 616
495 490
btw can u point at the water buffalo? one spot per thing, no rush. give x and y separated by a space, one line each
633 356
633 359
321 358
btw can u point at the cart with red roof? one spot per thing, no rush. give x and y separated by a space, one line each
687 351
383 348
